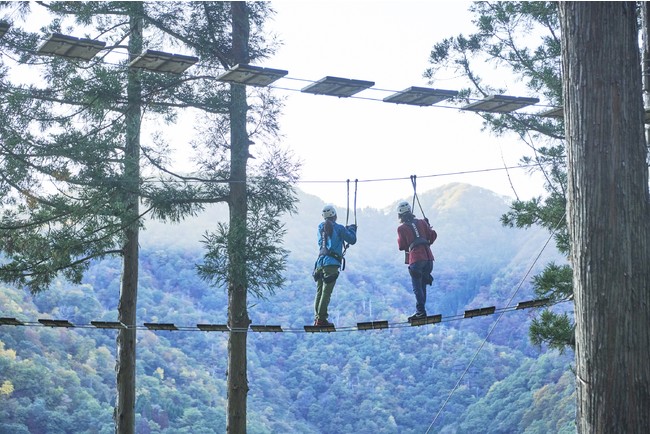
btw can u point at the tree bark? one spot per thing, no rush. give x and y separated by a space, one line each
126 338
608 215
238 205
645 61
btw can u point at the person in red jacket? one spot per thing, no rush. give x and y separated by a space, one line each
414 237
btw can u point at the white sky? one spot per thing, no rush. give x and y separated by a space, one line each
337 139
387 42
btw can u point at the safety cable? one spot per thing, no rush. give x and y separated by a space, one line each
335 181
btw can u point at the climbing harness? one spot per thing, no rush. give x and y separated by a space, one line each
418 240
324 251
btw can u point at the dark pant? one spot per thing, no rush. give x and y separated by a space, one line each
420 277
324 287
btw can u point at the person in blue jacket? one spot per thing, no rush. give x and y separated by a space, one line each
331 237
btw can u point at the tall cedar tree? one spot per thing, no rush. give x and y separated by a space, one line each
608 214
237 291
244 255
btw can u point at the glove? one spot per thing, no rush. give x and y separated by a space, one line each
352 228
427 220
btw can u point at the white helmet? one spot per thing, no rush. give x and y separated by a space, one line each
403 207
329 211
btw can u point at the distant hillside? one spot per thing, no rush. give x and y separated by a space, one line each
466 219
378 381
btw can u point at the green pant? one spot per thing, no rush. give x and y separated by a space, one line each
324 287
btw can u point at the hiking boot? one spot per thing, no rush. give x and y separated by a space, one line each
323 323
417 315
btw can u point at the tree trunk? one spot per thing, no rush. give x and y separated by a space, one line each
237 288
608 215
126 338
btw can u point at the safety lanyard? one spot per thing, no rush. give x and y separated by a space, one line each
415 195
347 216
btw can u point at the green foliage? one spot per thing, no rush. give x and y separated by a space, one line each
270 195
64 179
557 330
522 400
555 282
265 259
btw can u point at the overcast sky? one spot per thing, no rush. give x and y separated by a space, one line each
387 42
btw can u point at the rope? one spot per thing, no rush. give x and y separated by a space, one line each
415 196
347 217
356 181
347 204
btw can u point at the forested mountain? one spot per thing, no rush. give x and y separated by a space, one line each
396 380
